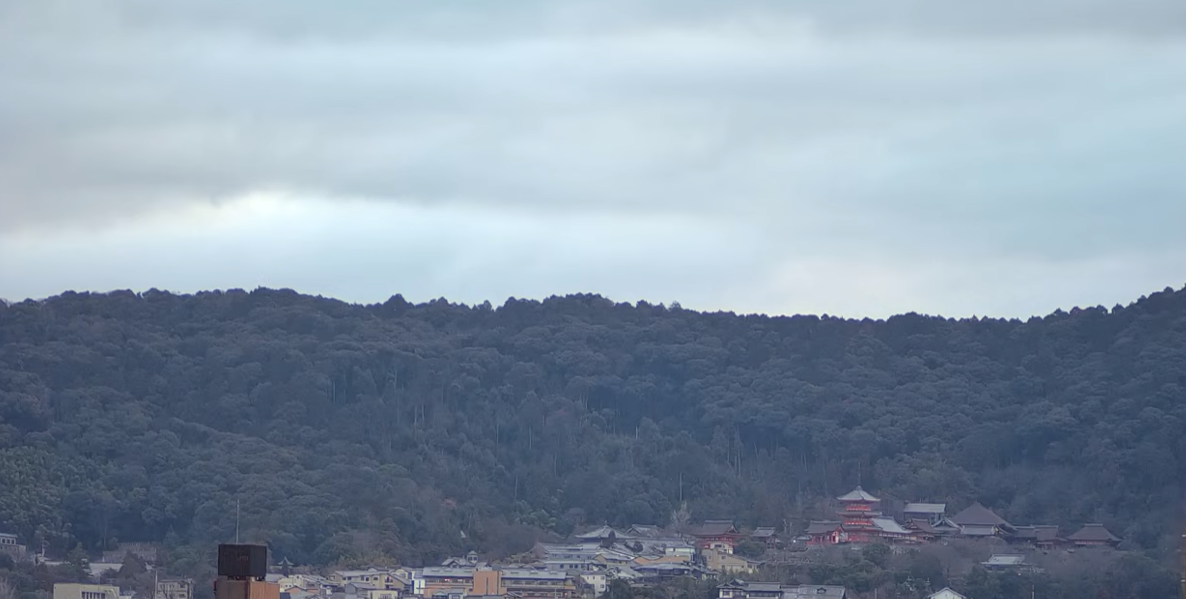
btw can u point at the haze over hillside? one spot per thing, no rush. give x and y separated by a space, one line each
389 429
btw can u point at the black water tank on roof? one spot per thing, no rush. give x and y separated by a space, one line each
243 561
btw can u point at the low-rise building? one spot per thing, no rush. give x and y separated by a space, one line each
815 591
529 583
70 590
427 582
740 589
174 588
10 545
597 582
728 563
946 593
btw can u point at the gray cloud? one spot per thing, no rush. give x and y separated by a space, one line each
1049 131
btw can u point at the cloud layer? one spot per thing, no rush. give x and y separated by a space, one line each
830 152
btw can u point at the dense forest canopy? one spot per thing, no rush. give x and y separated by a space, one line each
412 431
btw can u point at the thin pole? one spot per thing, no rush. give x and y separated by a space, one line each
236 521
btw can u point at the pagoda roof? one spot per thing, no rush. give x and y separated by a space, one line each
1094 532
857 494
978 515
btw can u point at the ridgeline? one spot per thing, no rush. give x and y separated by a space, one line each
411 432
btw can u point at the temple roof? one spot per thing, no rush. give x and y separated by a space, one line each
978 515
925 508
857 494
712 528
822 527
1094 532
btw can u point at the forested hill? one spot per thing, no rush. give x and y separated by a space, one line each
412 431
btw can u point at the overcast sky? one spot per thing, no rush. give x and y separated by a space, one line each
860 158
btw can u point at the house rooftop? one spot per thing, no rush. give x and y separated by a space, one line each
448 572
351 573
857 494
601 532
532 574
946 592
737 583
818 591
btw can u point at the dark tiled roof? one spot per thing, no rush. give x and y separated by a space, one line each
922 526
978 515
925 508
1045 532
763 532
714 528
822 527
1094 532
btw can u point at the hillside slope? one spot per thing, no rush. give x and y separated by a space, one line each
354 431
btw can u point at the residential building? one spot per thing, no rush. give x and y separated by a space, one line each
946 593
598 582
739 589
571 565
728 563
97 569
716 534
857 510
815 591
380 579
660 571
66 590
979 521
427 582
469 560
932 513
1094 535
174 588
10 544
600 533
645 531
522 582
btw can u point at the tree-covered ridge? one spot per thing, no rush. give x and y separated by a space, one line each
352 431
